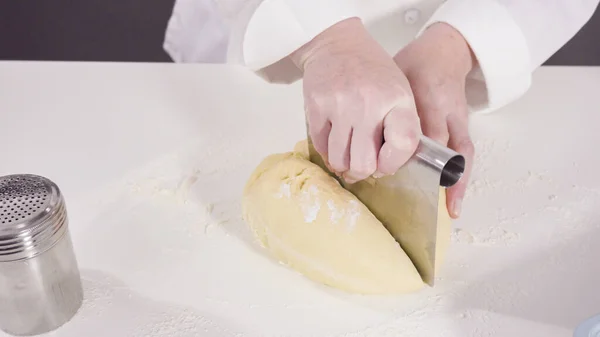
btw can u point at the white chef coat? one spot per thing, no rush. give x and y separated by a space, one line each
510 38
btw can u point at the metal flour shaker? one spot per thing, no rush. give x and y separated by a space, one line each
588 328
40 285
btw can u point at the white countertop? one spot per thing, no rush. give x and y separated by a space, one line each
152 160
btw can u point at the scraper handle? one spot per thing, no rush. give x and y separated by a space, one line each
435 156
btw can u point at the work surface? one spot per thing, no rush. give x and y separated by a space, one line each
152 160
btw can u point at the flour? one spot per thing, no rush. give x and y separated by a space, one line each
354 213
480 186
310 203
506 219
167 187
460 235
336 215
498 236
185 185
486 149
351 213
493 236
414 320
534 177
309 200
284 191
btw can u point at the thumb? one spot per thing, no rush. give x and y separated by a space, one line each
460 141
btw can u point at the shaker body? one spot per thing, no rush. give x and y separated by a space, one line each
42 293
40 284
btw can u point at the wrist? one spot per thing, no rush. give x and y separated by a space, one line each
331 39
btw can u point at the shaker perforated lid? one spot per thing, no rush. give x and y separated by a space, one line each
32 216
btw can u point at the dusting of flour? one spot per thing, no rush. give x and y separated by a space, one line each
311 204
284 191
351 213
509 215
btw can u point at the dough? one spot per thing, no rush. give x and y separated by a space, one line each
306 220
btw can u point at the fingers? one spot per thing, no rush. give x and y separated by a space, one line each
459 141
401 133
364 149
434 125
433 110
339 147
319 128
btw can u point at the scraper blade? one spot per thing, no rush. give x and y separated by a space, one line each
407 202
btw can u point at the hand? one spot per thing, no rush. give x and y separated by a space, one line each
360 109
436 65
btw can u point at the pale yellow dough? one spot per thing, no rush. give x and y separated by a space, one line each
304 218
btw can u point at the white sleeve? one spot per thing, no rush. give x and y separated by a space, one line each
197 31
279 27
510 39
256 33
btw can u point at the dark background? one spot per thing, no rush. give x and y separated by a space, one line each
133 30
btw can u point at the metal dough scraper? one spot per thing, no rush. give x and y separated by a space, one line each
407 202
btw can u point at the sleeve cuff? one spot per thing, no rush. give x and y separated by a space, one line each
196 32
503 68
279 27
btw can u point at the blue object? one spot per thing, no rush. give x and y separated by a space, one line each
589 328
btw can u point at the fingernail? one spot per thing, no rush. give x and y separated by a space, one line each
349 179
456 207
377 175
